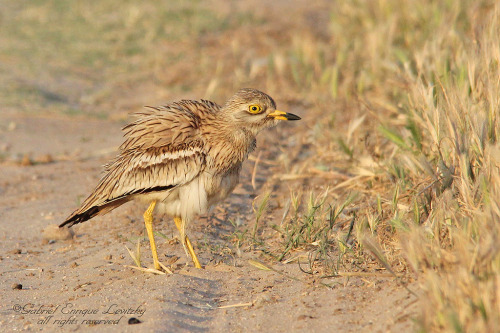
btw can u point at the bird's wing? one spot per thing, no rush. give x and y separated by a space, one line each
162 149
168 124
132 174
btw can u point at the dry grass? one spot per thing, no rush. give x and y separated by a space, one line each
424 152
399 153
416 87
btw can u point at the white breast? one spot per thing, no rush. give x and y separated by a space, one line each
196 197
185 202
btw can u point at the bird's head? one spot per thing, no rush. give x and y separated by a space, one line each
254 110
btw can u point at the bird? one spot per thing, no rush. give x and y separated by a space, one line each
182 159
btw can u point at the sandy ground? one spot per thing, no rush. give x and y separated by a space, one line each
74 283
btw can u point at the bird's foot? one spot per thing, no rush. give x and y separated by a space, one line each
159 267
186 243
152 270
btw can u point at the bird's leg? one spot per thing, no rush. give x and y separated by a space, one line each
186 242
148 221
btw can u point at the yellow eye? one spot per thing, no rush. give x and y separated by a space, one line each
254 108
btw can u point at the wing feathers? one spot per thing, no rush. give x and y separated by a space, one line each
156 169
162 149
167 125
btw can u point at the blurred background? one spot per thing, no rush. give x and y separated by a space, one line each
105 59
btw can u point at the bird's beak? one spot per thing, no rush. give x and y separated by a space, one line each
283 115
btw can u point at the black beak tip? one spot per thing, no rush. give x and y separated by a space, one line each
291 116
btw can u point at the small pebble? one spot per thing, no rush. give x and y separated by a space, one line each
53 232
133 321
44 159
304 317
17 286
262 299
26 160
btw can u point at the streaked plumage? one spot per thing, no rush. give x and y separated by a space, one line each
185 156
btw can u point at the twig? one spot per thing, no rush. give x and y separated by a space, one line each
351 225
148 270
377 253
235 305
254 172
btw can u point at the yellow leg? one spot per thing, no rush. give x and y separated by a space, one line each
187 242
148 221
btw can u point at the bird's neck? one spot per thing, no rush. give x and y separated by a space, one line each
230 146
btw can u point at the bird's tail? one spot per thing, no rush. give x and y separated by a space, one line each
89 210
